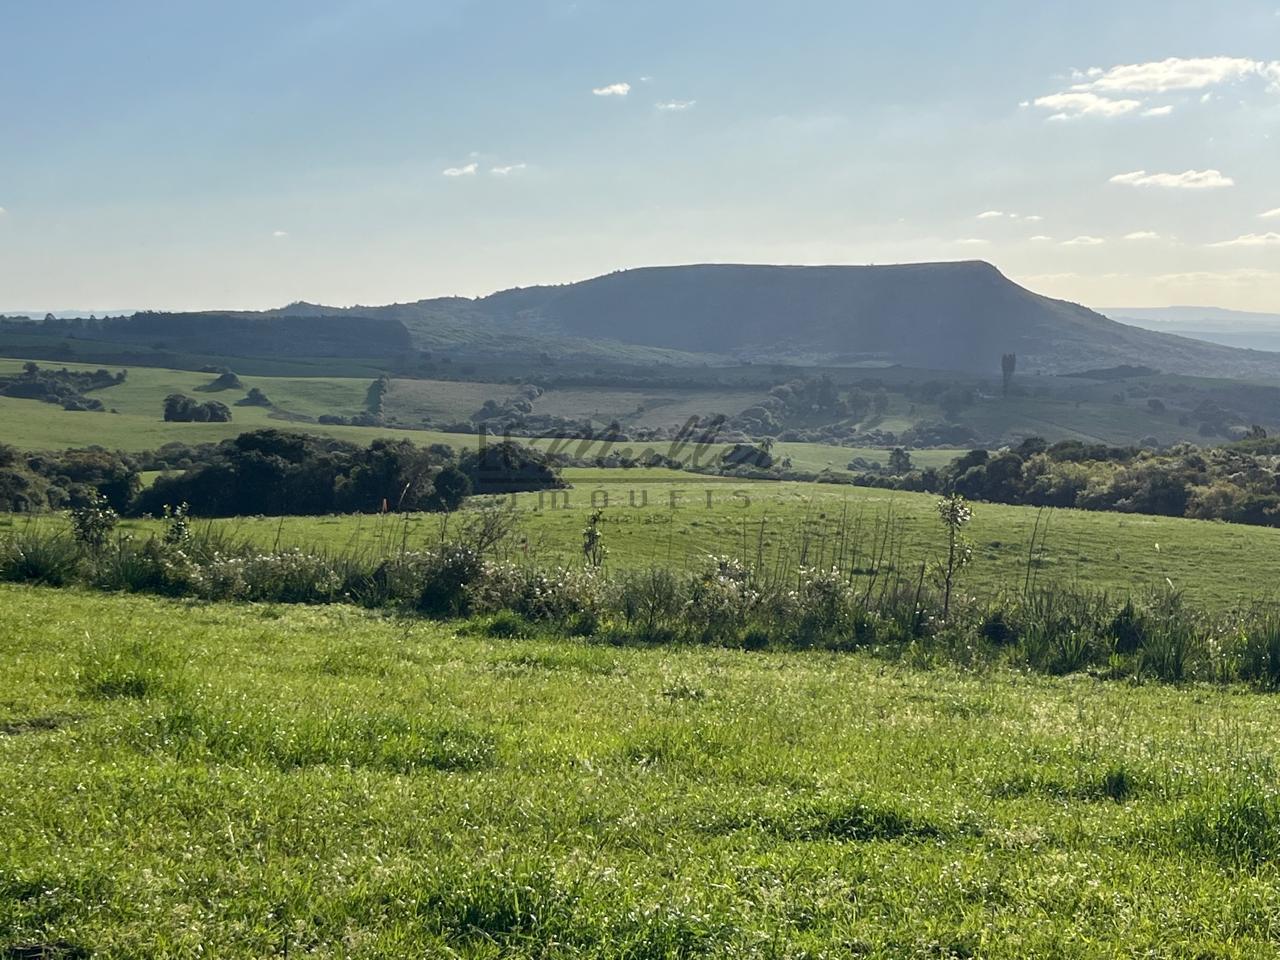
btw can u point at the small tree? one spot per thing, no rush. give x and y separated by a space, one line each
452 487
91 525
1008 363
954 512
593 548
899 461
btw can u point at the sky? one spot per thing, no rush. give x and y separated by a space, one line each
185 154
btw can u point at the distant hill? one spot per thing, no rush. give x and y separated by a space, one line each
947 316
958 316
1233 328
258 335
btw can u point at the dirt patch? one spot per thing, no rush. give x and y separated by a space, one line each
13 728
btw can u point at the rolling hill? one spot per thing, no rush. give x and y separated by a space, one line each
945 316
959 316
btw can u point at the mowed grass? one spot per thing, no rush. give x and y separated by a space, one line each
244 781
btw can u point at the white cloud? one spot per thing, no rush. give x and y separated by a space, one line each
990 214
1251 240
1068 106
1142 235
1159 111
1177 73
1269 215
468 171
507 170
1083 241
973 241
613 90
1040 238
1033 218
279 233
1233 277
1187 180
3 211
675 106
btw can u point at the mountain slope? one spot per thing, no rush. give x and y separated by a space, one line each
946 316
957 316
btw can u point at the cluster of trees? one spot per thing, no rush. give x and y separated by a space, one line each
272 472
69 478
64 387
1239 484
179 408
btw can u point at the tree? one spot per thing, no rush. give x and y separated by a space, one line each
899 461
954 513
452 486
1008 363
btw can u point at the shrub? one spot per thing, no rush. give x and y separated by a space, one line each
448 576
650 601
1173 638
34 557
721 600
93 523
1260 652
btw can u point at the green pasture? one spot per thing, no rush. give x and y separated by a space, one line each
242 781
670 518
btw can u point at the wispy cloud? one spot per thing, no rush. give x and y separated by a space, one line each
990 214
1068 106
1187 180
972 242
279 233
1142 235
1175 74
468 171
613 90
1240 277
1033 218
1269 215
1083 241
3 211
1041 238
507 170
677 106
1251 240
1124 90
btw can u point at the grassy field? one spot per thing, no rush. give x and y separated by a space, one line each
241 781
32 425
667 518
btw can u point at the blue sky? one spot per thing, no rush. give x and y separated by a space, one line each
242 154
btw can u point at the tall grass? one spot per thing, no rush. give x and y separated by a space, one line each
839 584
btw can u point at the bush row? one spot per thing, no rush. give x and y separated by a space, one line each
1052 629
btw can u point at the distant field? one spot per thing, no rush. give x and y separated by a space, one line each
32 425
413 401
244 781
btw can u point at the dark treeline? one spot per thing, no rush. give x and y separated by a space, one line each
272 472
1238 483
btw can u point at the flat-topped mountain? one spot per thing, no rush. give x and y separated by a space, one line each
958 316
947 316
